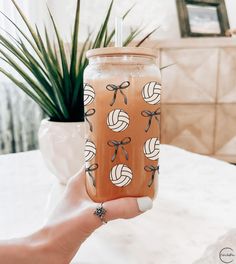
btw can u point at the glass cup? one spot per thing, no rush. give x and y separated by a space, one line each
122 92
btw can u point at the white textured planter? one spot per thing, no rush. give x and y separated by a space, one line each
62 147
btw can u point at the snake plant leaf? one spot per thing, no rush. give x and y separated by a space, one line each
78 91
20 48
66 76
52 54
146 37
82 57
167 66
54 78
39 75
22 53
31 30
52 70
13 49
46 108
105 37
18 29
51 79
32 60
27 62
56 55
74 50
103 28
133 34
26 77
82 64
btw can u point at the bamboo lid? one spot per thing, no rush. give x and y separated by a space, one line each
110 51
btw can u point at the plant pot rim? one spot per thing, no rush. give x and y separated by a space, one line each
47 120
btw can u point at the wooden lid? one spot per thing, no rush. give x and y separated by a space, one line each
110 51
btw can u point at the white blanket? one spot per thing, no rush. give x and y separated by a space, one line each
196 205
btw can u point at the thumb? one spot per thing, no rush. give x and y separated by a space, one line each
122 208
126 207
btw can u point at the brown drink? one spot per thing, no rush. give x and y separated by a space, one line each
122 115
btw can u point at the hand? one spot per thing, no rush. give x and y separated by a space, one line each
73 220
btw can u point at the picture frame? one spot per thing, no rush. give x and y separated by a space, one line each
202 18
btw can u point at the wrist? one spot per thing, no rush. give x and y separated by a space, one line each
15 251
42 248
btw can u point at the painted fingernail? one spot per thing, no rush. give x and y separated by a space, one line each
144 203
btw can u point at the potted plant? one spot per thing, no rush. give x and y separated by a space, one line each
54 80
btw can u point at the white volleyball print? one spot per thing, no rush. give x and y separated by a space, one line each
152 92
90 150
121 175
118 120
89 94
151 148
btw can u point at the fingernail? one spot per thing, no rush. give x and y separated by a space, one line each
144 203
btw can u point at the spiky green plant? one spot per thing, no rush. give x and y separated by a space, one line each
52 80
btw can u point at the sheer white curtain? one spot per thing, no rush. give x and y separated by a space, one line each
19 115
35 11
32 10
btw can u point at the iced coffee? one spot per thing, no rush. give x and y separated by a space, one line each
122 92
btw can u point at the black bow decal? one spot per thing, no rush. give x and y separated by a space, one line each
150 115
89 170
153 170
115 88
90 112
116 144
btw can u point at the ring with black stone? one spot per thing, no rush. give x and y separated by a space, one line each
100 212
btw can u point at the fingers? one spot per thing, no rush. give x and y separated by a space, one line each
123 208
76 186
79 178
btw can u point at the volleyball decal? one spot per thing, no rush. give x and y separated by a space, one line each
152 93
89 94
121 175
151 148
90 150
118 120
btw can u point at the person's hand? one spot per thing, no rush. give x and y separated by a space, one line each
74 220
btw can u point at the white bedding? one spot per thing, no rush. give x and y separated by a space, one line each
196 204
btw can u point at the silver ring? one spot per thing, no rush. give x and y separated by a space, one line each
101 212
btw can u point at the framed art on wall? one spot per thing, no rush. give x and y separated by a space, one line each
202 18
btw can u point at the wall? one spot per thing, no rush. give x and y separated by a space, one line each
148 12
231 9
